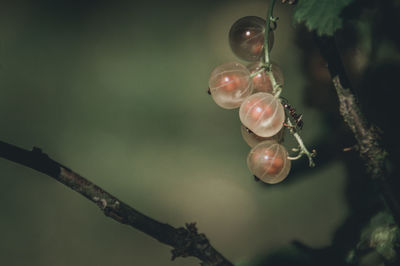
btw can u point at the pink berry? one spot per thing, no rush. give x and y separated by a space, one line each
230 84
246 38
268 161
263 114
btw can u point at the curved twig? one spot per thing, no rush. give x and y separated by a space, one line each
185 241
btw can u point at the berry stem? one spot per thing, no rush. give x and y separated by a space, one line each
267 65
277 89
252 75
303 148
268 30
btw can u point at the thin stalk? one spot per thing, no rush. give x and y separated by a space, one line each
303 148
252 75
277 88
267 31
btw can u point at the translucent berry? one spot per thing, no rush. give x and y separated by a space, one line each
246 38
261 81
262 113
252 139
268 161
230 84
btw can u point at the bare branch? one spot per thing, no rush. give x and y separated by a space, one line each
368 142
185 241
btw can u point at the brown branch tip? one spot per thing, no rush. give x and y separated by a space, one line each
186 241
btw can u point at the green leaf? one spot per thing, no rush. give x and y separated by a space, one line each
321 15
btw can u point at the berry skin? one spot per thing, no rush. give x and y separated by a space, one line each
252 139
263 114
268 161
246 38
230 84
261 81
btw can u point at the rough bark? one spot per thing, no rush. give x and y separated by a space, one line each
186 241
368 142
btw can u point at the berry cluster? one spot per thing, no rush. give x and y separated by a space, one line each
255 89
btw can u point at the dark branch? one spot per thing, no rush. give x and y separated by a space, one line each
185 241
368 142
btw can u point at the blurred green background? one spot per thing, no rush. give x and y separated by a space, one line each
116 90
